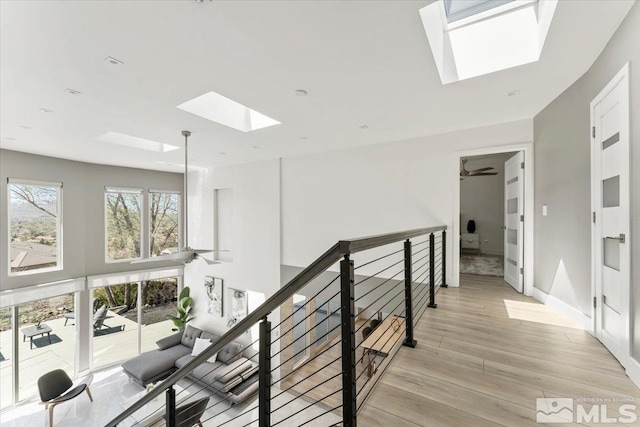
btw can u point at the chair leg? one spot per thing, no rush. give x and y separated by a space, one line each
89 393
51 414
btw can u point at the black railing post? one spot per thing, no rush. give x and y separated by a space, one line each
444 259
171 407
432 272
347 315
264 375
408 299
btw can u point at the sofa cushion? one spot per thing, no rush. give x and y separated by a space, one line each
189 336
228 372
150 364
200 345
230 353
211 337
169 341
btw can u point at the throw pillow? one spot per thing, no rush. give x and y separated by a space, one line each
199 346
213 358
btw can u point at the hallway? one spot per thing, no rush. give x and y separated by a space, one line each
483 358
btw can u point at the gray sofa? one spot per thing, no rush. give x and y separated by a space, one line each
232 375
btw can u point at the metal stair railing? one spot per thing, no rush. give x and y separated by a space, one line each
417 296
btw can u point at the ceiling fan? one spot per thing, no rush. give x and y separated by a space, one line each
186 254
464 173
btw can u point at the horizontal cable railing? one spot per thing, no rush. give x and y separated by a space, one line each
336 333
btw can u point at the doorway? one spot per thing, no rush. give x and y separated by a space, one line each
610 201
495 225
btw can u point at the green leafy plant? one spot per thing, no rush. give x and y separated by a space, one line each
183 316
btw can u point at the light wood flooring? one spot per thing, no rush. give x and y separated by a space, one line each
484 356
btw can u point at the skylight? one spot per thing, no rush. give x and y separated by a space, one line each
220 109
135 142
460 9
470 38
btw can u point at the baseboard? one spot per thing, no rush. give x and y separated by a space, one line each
580 319
633 370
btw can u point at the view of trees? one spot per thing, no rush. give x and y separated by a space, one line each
34 221
164 222
124 218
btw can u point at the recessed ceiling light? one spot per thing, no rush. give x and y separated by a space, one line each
220 109
46 110
255 147
222 153
135 142
363 127
72 91
113 61
25 127
305 138
301 92
513 93
9 138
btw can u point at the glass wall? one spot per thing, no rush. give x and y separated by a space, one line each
47 340
159 298
6 358
136 317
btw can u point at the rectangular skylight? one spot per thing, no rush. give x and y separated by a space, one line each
487 35
135 142
460 9
495 44
220 109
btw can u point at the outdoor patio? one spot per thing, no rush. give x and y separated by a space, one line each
116 341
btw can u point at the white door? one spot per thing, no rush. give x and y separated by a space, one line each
513 220
610 198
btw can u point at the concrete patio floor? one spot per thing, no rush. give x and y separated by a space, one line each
117 341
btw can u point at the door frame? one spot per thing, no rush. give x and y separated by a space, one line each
622 78
527 148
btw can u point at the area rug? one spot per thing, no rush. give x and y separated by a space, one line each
482 265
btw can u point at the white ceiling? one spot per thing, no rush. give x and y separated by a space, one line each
362 63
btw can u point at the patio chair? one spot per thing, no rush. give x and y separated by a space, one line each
99 317
189 414
71 315
55 388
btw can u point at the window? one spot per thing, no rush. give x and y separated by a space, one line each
35 218
123 212
164 222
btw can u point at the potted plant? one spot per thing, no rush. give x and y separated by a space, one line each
183 316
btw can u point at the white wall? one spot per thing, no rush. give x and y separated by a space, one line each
482 200
255 235
377 189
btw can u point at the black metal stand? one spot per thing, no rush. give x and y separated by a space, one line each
264 375
347 312
444 259
432 272
408 299
171 407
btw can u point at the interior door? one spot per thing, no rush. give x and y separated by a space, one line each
610 198
513 219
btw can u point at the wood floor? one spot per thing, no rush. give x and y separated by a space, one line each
484 356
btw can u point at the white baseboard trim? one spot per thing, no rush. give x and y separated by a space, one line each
633 370
580 319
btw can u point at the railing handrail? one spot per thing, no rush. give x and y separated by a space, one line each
317 267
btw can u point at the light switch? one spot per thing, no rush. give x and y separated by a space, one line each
544 210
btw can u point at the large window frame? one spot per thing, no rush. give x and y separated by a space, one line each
59 225
141 234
